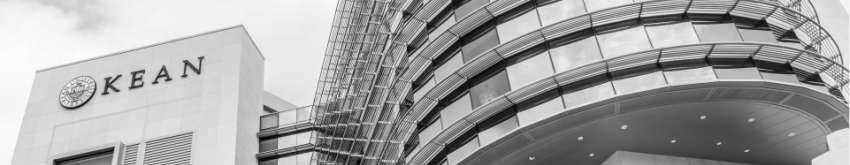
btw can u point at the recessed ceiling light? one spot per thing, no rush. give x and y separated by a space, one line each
750 120
580 138
673 141
531 158
792 134
718 143
746 150
591 155
624 127
702 117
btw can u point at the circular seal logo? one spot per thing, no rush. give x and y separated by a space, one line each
77 92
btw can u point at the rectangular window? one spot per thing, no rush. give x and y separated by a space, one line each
489 89
672 34
518 26
268 121
479 45
560 10
588 95
695 75
430 132
442 27
540 112
95 158
464 151
304 113
424 89
455 111
449 67
757 35
639 83
737 73
717 32
623 42
575 54
268 144
530 70
287 118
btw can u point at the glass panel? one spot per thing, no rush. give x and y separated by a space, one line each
518 26
469 7
497 131
781 77
530 70
540 112
104 158
424 89
442 27
559 11
287 118
268 121
303 113
672 34
456 111
268 144
461 153
717 32
287 160
737 73
575 54
695 75
757 35
287 141
588 95
623 42
449 67
304 137
594 5
480 45
430 132
639 83
491 88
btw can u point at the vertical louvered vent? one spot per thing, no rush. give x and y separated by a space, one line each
171 150
130 154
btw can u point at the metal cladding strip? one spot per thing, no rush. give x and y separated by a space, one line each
531 90
775 54
500 7
286 151
431 9
660 8
617 14
430 149
427 104
451 82
752 10
569 77
809 64
439 45
579 23
411 30
733 51
675 54
623 64
479 64
520 44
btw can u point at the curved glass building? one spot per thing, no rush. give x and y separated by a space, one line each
580 82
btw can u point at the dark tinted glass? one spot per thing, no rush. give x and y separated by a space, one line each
489 89
104 158
268 144
268 121
480 45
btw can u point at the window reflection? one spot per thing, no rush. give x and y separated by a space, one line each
560 10
497 131
530 70
480 45
639 83
575 54
694 75
540 112
717 32
518 26
268 121
458 155
672 34
469 7
455 111
490 89
594 5
573 99
623 42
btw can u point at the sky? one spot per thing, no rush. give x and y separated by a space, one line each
37 34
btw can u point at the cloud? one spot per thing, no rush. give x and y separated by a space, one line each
291 34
